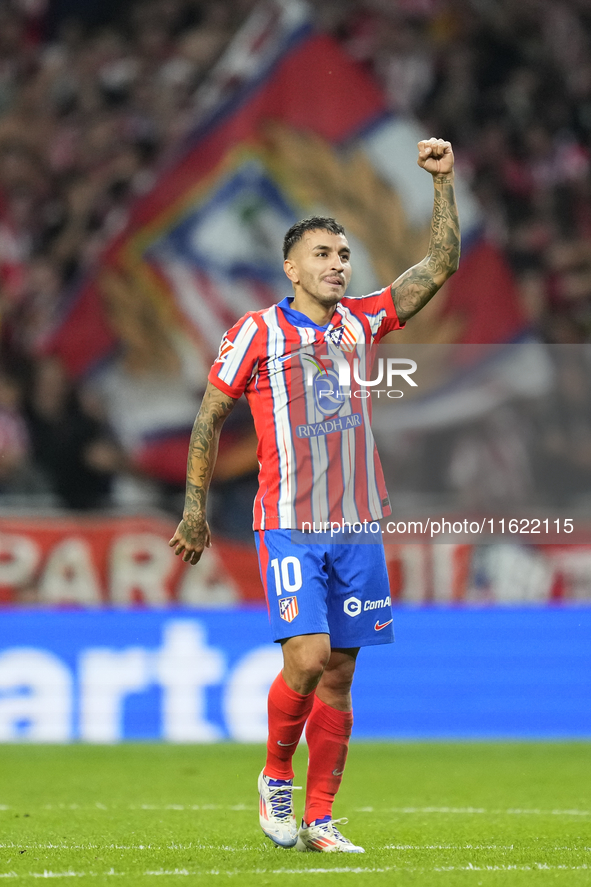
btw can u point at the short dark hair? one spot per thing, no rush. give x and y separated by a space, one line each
313 223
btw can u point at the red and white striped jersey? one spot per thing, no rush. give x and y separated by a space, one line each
317 455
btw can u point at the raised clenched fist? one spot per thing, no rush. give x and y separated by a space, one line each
436 156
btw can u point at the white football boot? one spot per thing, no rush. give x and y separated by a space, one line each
324 837
276 814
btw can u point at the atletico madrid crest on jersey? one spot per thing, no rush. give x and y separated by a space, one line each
288 608
343 336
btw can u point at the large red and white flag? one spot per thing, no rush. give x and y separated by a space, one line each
286 126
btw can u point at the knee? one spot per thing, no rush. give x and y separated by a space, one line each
310 665
335 684
304 663
311 668
338 680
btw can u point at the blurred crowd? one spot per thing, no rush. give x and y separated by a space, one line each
91 104
94 97
509 84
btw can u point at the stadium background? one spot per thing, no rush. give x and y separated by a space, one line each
150 161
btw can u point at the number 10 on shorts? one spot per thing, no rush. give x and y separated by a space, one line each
288 574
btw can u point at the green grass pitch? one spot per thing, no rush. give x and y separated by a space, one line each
433 814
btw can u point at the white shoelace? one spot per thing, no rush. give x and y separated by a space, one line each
280 800
336 832
331 827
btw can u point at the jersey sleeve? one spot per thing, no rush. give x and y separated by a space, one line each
237 358
380 312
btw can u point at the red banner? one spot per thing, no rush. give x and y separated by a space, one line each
119 562
125 562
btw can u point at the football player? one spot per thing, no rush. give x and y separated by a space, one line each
327 595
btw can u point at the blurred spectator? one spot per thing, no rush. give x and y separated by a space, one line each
71 444
490 462
564 430
15 470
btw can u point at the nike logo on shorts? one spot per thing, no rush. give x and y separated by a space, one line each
285 744
378 626
337 772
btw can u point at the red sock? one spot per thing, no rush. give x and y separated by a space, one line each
288 712
327 731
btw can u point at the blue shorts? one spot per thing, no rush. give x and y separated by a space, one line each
328 587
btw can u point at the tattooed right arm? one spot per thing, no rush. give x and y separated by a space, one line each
193 534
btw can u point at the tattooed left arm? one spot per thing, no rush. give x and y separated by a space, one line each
418 285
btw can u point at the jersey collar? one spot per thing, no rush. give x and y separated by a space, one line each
298 319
